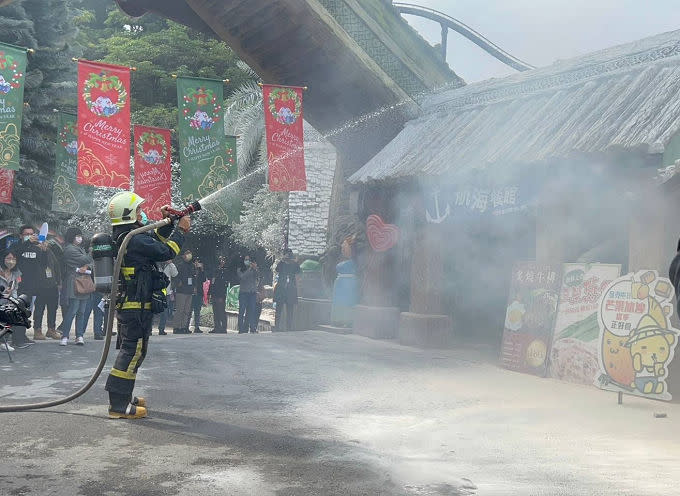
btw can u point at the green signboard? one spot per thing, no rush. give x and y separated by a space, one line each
12 75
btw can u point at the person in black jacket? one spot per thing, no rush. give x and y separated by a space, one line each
218 295
32 262
142 284
247 294
197 297
47 298
285 291
185 287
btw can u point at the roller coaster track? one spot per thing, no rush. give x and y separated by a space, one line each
447 22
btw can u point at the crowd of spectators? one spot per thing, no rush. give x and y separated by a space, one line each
50 271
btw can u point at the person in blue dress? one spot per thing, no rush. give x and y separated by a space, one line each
345 293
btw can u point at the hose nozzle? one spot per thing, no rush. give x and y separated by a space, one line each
190 209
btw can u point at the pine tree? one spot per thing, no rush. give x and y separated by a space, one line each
47 26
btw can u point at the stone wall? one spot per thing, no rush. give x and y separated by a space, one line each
309 209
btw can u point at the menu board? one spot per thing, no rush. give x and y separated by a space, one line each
529 317
574 353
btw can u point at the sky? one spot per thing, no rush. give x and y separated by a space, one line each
542 31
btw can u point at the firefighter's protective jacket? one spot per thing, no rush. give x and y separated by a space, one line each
143 251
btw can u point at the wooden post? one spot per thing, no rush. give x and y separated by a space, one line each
426 271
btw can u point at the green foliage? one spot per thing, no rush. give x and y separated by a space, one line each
98 30
158 48
262 222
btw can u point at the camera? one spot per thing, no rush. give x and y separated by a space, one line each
15 311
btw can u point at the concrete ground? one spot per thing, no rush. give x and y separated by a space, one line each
313 413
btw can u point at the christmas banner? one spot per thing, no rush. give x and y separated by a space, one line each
227 206
152 169
637 340
6 185
285 141
67 195
12 74
573 356
529 318
201 133
103 125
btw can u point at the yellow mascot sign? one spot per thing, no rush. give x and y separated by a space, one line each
637 342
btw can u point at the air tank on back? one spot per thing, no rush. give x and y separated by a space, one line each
103 253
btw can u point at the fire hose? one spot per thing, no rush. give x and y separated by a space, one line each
109 318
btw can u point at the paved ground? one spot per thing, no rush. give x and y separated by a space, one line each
312 413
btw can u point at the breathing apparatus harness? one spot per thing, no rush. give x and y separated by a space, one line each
141 287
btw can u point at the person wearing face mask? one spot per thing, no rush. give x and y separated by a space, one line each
32 262
47 299
185 288
10 276
247 276
76 263
143 293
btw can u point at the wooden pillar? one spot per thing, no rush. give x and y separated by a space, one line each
427 270
427 324
649 246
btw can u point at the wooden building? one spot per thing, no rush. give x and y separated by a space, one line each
557 164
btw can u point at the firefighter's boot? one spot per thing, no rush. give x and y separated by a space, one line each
131 412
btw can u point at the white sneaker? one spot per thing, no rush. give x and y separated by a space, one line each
63 342
6 347
80 340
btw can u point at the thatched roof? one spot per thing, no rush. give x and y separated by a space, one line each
622 98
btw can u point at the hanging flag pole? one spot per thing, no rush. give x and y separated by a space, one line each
304 88
175 76
76 59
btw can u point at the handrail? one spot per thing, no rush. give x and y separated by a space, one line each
465 30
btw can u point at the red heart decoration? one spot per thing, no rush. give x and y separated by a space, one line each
381 236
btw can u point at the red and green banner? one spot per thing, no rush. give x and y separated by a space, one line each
12 75
207 156
152 169
285 141
103 125
6 185
67 195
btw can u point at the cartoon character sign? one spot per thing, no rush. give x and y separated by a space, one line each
201 120
637 342
104 94
285 105
5 87
201 107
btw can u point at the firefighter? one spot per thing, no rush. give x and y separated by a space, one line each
142 289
